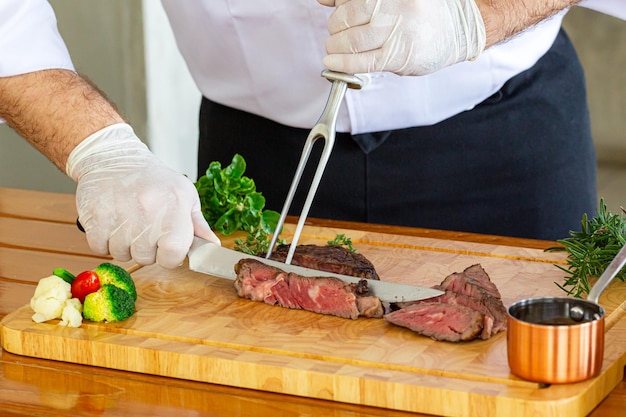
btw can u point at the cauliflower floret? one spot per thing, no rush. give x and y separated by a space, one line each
49 298
72 315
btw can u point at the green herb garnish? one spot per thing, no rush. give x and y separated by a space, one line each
255 243
230 202
591 250
342 240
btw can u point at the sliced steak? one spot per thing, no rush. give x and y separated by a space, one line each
483 306
329 258
326 295
473 289
472 279
439 321
492 308
474 283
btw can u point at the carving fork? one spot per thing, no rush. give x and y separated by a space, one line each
324 129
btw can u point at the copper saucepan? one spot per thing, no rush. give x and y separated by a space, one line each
559 339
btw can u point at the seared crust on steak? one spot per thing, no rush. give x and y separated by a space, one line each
329 258
474 289
473 279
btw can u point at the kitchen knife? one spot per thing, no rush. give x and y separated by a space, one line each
212 259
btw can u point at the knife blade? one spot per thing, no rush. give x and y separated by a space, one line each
210 258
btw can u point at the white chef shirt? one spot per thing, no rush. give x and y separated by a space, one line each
264 57
29 39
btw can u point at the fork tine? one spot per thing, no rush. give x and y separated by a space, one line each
324 129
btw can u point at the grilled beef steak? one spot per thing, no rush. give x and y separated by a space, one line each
473 291
329 258
326 295
470 308
474 283
440 321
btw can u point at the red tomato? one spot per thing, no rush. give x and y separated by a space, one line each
85 283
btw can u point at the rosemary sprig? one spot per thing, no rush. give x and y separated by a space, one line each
591 250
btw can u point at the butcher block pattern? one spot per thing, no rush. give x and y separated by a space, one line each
193 326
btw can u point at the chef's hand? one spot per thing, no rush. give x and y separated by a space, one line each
407 37
130 204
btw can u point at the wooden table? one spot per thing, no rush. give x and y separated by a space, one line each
38 233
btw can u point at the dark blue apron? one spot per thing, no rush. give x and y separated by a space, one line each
521 163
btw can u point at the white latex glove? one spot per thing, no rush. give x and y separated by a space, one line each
130 204
407 37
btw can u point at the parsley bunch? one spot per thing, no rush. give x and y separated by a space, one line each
591 250
230 202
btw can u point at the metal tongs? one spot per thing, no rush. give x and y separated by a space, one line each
324 129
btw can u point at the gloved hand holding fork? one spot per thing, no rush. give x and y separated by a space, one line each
406 37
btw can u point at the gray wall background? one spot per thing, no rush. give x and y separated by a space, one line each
600 41
109 44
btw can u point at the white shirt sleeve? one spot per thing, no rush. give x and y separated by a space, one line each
616 8
29 38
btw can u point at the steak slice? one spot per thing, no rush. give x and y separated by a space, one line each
472 279
473 289
493 309
480 293
440 321
328 258
450 297
326 295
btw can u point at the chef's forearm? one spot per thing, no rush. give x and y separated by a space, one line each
54 110
506 18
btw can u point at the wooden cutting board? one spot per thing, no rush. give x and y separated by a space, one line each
193 326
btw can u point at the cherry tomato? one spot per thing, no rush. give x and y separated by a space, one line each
85 283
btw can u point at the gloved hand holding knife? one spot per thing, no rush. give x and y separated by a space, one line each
130 204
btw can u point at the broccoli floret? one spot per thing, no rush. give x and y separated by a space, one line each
109 303
109 273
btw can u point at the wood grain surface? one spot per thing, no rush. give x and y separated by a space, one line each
193 326
38 233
